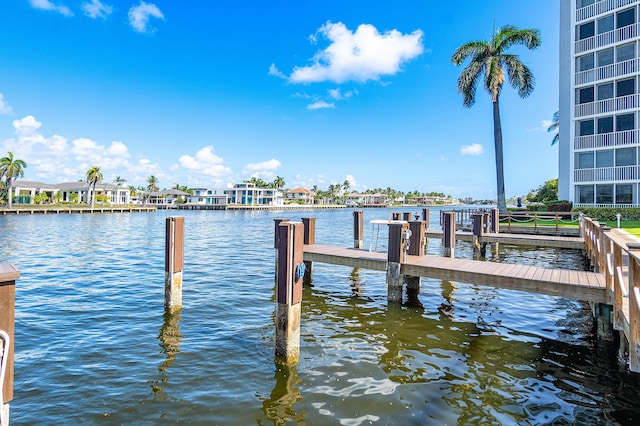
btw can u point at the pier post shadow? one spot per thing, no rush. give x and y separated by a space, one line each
279 407
170 339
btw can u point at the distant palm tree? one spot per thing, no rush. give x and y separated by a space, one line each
152 183
490 58
11 168
119 181
278 182
346 185
555 126
93 177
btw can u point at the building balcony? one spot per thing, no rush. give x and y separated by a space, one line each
605 39
599 7
606 140
608 71
607 174
607 105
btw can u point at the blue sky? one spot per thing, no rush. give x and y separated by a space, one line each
205 93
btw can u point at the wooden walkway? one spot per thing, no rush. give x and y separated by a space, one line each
580 285
551 241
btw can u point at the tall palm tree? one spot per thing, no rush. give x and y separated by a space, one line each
278 182
11 168
490 58
346 185
93 177
152 183
555 126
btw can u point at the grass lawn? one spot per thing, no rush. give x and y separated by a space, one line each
631 226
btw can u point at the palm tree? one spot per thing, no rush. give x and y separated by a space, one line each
152 183
490 58
346 185
11 168
93 177
555 126
119 181
278 182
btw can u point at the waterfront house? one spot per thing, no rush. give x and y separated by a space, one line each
299 195
204 196
24 192
249 194
168 197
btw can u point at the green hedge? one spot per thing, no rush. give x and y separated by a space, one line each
609 213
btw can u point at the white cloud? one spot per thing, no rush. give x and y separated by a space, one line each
274 71
139 16
26 125
264 170
473 149
5 108
320 105
205 162
359 56
96 9
49 5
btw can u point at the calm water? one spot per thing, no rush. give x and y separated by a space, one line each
93 345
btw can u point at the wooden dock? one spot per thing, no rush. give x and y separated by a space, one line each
580 285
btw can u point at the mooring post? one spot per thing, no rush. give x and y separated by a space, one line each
276 237
309 239
478 232
406 216
495 220
416 248
395 216
426 217
634 313
8 277
449 233
174 263
358 228
289 291
398 233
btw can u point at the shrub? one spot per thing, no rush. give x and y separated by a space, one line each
609 213
536 207
559 206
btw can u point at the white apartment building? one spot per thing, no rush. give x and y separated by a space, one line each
599 103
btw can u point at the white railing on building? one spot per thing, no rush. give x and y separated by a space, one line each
607 105
606 174
600 7
606 140
604 39
607 71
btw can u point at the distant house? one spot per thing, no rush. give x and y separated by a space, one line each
300 194
167 197
207 196
249 194
24 192
355 199
375 199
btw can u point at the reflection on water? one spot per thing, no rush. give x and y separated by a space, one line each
94 347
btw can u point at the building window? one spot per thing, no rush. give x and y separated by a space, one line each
585 194
625 87
585 128
584 3
626 157
585 95
605 125
604 158
605 91
605 57
626 17
624 122
586 30
624 194
625 52
604 194
605 24
584 160
585 62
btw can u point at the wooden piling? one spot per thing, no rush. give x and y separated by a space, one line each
449 233
358 228
309 238
426 213
289 291
8 277
479 229
174 263
634 313
395 257
276 237
416 248
406 216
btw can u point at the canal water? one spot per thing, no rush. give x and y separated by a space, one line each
93 345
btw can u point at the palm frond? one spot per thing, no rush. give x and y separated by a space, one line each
472 49
509 35
467 82
520 76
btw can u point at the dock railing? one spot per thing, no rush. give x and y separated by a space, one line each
539 219
617 254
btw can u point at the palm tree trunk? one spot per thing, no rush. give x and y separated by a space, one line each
9 191
497 138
